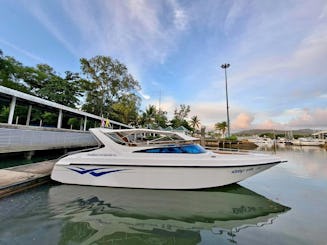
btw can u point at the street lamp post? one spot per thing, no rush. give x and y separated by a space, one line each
225 66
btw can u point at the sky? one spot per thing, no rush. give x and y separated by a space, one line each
277 51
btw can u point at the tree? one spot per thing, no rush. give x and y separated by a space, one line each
221 126
182 113
47 84
109 80
11 72
180 117
126 109
195 123
41 81
149 115
161 118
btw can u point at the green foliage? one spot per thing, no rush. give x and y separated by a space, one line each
153 118
45 83
74 122
49 118
232 138
11 72
125 110
4 113
180 117
195 123
181 113
109 81
109 89
221 126
41 81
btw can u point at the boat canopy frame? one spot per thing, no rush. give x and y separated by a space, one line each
142 137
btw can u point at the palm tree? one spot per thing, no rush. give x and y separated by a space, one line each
195 123
149 115
221 126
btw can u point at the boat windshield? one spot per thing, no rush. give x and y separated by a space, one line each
144 138
188 149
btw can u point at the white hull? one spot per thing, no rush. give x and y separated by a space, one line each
151 167
156 177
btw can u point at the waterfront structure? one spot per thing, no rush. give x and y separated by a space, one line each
320 135
14 96
19 138
308 142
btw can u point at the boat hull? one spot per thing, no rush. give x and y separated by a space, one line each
155 177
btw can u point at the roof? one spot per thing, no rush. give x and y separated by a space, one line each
36 100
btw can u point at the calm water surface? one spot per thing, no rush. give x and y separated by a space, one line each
284 205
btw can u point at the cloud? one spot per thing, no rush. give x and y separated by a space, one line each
41 14
128 29
296 118
167 104
144 96
209 113
309 118
269 124
242 121
235 12
277 52
22 51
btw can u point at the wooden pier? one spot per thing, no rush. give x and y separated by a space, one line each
20 178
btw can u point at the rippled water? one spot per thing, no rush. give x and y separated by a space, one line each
286 204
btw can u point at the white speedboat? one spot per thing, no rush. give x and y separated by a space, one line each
143 158
262 141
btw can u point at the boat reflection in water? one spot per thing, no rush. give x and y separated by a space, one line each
104 215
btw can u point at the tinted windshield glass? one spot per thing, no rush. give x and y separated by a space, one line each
188 149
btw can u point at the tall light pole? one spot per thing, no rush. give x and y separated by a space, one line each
225 66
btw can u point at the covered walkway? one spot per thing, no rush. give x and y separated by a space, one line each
13 97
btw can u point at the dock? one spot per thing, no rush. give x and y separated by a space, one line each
20 178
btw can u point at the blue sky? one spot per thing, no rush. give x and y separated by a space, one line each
277 51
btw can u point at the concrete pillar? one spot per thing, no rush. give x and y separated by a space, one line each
59 119
28 155
12 110
29 115
85 120
203 133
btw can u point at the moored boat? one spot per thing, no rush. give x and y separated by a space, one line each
143 158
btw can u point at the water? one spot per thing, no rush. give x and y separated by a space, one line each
286 204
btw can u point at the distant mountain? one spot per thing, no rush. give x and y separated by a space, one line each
304 132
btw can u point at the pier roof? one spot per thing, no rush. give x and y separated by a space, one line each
39 101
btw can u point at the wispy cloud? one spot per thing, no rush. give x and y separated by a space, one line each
41 14
128 29
277 52
22 51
